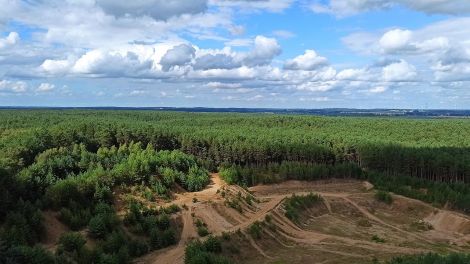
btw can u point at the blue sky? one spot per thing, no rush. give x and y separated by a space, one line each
236 53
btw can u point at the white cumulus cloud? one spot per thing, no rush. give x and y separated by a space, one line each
395 40
399 71
10 40
7 86
45 87
309 61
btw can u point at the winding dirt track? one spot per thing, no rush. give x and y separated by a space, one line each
226 219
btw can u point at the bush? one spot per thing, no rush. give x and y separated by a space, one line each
378 239
172 209
235 204
24 225
28 255
295 204
75 219
114 242
384 197
138 248
225 235
71 241
97 227
202 231
229 175
169 176
160 239
198 252
197 179
213 244
255 230
104 221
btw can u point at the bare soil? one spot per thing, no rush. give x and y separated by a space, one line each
339 230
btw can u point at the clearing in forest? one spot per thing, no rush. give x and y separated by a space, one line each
349 225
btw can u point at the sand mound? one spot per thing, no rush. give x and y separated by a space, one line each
449 222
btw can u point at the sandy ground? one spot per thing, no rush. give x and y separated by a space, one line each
54 229
331 230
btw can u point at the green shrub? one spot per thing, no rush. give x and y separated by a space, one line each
202 231
28 255
24 225
197 179
75 219
160 239
97 227
297 203
378 239
114 242
226 235
138 248
71 241
213 244
384 197
255 230
229 175
198 252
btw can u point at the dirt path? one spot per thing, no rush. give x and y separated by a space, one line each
174 254
54 229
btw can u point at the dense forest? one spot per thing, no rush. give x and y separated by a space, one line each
72 161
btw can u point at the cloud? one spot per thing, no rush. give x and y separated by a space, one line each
103 63
220 85
395 40
399 71
237 30
378 89
157 9
242 73
177 56
314 99
57 67
454 65
239 42
253 5
86 24
45 87
216 61
454 7
263 52
285 34
13 86
440 49
352 75
137 92
403 41
12 39
162 61
344 8
308 61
